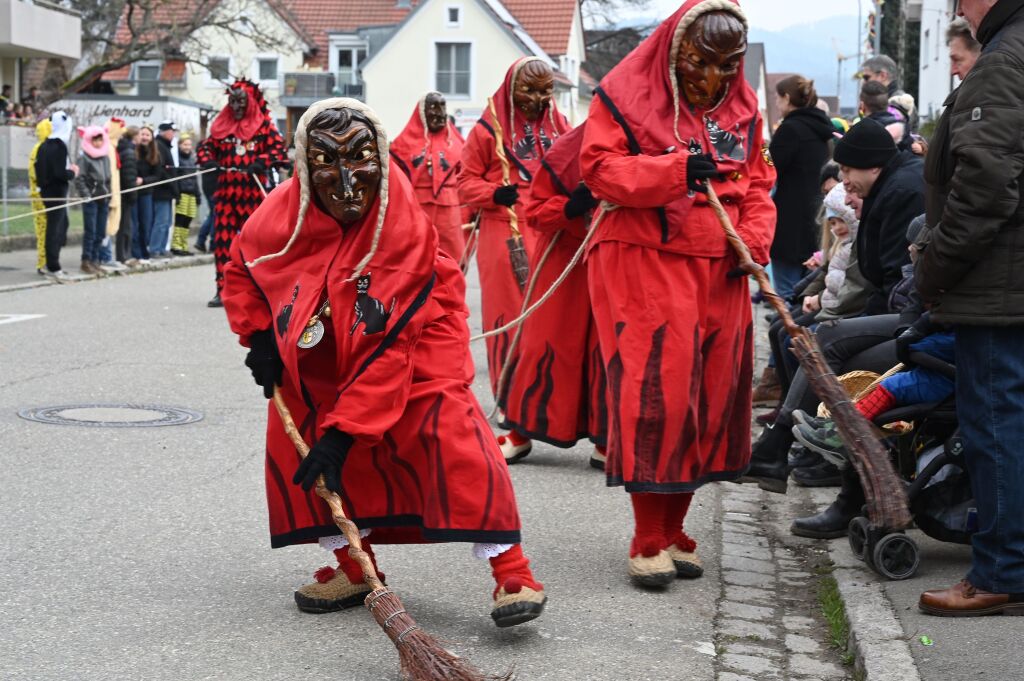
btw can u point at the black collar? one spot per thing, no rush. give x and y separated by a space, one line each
996 18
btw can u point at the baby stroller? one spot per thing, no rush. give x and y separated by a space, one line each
930 457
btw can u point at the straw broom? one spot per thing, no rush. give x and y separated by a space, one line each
885 493
516 252
422 657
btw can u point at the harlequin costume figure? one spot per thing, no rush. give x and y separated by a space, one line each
43 130
428 151
675 328
556 387
338 288
529 123
244 143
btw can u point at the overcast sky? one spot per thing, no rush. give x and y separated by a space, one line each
773 15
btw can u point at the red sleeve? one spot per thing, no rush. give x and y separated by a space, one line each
757 210
545 209
631 181
246 306
475 189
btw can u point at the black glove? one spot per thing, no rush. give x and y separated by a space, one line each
920 330
208 165
264 361
700 167
256 168
506 195
325 458
580 201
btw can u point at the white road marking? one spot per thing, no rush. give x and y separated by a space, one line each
12 318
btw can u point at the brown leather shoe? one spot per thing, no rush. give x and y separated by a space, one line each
965 600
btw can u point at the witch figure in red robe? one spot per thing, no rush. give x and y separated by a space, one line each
338 288
428 151
673 312
555 390
244 144
527 121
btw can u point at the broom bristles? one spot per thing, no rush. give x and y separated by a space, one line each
422 657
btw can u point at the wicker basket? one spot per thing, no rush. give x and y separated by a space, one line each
857 384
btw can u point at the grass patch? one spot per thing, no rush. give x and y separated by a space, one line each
835 614
26 224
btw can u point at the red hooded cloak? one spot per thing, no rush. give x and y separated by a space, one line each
526 142
675 332
238 145
556 390
431 161
393 369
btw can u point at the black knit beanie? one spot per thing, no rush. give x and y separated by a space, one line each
867 145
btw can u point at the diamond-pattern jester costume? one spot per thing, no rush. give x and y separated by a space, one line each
247 148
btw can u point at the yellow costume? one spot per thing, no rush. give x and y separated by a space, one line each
43 130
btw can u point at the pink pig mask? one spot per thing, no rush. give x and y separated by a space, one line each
87 133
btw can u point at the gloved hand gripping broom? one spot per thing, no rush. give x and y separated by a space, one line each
422 657
885 494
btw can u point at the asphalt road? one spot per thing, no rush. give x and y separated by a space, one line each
143 553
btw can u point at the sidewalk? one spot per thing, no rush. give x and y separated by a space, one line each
885 622
18 268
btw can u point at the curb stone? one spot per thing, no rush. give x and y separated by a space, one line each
169 264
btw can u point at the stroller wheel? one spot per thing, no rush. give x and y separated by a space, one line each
857 533
896 556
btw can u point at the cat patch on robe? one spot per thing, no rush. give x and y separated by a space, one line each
369 311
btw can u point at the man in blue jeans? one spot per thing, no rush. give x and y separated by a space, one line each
164 195
972 274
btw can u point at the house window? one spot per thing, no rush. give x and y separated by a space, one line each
147 80
349 61
219 68
267 68
453 16
453 69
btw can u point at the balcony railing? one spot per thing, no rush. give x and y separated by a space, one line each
302 88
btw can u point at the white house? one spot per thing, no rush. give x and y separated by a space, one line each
934 80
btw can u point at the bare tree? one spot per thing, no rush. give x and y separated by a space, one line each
116 33
608 14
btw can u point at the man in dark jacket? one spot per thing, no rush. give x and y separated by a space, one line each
972 273
54 172
164 195
892 186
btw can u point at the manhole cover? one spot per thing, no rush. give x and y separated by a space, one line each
111 415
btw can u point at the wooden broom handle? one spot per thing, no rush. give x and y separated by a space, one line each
506 170
347 527
748 265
